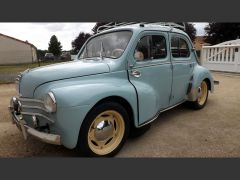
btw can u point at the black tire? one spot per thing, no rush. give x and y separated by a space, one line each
83 145
137 132
196 105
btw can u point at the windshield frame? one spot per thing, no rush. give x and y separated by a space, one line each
101 34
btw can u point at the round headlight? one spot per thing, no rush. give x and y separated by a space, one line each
50 102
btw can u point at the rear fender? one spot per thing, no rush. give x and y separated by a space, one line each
199 74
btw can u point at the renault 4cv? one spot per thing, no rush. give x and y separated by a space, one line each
121 80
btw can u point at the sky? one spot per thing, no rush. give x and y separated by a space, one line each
39 34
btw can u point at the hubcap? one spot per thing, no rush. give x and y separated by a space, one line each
106 132
202 93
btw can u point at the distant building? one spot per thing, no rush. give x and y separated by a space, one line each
15 51
199 42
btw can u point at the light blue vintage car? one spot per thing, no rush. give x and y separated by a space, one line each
121 80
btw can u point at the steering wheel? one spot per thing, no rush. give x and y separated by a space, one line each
117 52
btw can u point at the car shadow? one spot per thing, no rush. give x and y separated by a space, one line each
166 117
48 150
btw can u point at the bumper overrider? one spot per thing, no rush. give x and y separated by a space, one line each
17 118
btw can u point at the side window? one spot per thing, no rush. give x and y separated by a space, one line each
174 47
142 51
158 47
151 47
183 48
179 47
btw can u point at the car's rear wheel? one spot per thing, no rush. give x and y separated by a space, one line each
104 131
203 96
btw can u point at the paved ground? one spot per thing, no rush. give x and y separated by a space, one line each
181 132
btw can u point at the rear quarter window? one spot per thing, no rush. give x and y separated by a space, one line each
179 47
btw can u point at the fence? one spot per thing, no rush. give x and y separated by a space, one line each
222 57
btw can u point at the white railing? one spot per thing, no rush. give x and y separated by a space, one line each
222 57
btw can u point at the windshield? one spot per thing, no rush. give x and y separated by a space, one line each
110 45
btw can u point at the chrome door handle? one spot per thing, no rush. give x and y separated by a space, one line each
136 73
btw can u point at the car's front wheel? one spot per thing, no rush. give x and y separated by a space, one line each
104 130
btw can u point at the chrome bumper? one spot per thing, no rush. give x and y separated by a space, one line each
21 124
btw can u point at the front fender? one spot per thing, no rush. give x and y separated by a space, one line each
92 92
76 97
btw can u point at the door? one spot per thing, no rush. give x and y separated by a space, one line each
183 61
151 73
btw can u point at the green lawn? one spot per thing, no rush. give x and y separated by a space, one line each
22 67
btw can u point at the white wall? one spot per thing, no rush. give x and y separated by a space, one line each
15 52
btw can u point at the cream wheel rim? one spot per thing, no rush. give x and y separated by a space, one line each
106 132
203 93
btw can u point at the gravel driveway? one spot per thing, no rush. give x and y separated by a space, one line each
181 132
8 77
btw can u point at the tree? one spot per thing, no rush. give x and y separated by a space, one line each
55 46
41 53
79 41
220 32
191 31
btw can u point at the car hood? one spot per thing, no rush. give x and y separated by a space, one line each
35 77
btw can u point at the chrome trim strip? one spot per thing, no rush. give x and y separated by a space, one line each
52 97
158 113
34 107
150 65
31 100
38 114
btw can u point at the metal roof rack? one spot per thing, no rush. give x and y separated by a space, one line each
114 24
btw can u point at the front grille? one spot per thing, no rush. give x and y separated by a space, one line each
34 107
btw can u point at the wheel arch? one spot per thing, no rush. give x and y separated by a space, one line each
122 101
199 74
208 83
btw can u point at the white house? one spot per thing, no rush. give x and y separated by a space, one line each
15 51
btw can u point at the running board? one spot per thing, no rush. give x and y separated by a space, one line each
159 112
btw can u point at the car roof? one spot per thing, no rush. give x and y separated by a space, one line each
144 27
